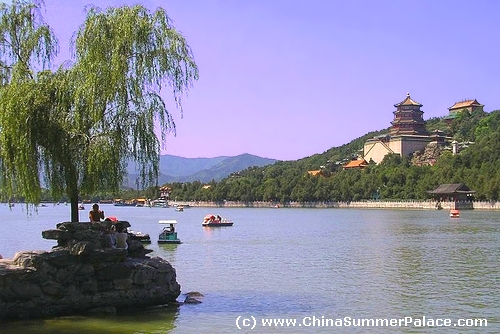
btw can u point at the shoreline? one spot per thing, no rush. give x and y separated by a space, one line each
421 205
370 204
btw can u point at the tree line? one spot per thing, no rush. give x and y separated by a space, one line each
395 178
66 134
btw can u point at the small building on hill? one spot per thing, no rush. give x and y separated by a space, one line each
318 172
356 164
459 107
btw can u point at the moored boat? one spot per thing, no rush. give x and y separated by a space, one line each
141 202
159 203
142 237
122 202
216 221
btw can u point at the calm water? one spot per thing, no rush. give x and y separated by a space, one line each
298 263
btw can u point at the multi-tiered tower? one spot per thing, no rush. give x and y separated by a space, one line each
408 118
406 135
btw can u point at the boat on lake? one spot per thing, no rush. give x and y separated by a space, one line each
122 202
141 202
216 221
455 214
179 208
168 234
159 203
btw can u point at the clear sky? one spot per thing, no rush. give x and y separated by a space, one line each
286 79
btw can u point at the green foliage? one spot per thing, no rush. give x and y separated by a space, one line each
393 179
464 125
437 123
79 125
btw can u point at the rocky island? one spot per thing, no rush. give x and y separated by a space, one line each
83 274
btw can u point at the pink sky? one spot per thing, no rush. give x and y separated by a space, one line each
286 79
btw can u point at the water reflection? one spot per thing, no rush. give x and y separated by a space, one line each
208 232
168 252
153 320
445 268
303 262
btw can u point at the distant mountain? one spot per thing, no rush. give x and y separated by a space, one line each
179 169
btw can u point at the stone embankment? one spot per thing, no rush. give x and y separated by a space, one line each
83 274
409 204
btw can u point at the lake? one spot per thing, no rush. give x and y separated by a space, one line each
312 266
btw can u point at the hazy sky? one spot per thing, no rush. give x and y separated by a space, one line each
286 79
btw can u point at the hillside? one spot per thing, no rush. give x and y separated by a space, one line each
395 178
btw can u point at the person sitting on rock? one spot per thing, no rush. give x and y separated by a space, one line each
112 236
121 238
95 215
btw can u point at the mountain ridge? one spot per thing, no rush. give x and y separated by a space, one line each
180 169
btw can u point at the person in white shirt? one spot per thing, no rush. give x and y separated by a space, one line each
121 238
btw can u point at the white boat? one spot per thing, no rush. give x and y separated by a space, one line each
168 234
159 203
142 237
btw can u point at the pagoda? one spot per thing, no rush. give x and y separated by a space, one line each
408 118
406 135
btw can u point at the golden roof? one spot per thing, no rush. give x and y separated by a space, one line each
408 102
465 104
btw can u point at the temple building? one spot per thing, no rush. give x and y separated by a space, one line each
465 105
406 135
355 164
453 192
408 118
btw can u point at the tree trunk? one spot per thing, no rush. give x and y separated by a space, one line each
75 217
73 197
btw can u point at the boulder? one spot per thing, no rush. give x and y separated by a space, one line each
193 297
82 274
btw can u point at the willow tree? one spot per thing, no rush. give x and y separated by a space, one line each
76 128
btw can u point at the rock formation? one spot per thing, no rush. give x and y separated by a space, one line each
428 156
83 274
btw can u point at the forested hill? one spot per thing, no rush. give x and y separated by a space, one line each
395 178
